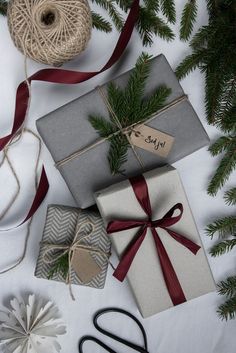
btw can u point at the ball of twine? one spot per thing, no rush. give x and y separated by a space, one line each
50 31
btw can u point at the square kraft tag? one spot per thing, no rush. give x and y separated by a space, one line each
84 265
152 140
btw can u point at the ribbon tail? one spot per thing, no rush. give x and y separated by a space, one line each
173 285
189 244
129 255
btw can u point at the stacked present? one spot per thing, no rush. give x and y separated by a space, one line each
111 139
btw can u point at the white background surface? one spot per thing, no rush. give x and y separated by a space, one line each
190 328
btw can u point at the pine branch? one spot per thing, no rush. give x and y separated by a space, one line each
224 227
220 145
228 309
128 106
224 170
230 197
188 18
100 23
117 155
228 287
114 14
3 7
168 9
102 126
223 247
61 267
155 103
190 63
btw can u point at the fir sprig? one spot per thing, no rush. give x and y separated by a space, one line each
223 247
230 197
188 18
61 267
3 7
130 107
149 24
228 287
227 310
224 227
100 23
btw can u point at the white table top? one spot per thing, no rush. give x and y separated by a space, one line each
193 327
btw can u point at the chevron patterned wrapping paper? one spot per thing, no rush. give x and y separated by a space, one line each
60 228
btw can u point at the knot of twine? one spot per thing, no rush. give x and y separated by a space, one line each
77 244
50 31
126 131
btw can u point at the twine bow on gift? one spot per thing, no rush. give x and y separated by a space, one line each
77 244
140 189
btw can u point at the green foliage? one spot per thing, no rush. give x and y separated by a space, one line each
129 106
213 51
149 24
228 287
188 18
223 247
168 9
61 266
224 227
230 197
100 23
228 309
3 7
227 164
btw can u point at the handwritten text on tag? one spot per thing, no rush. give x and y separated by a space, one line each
152 140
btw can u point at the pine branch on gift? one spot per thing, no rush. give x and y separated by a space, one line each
3 7
129 107
188 19
61 266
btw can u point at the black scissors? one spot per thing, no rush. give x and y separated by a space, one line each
127 343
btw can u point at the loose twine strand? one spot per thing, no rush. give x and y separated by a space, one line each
124 131
15 139
50 32
77 244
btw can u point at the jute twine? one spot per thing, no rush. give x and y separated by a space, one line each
77 244
6 159
50 31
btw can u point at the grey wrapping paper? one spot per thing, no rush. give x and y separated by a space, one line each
145 275
67 130
60 228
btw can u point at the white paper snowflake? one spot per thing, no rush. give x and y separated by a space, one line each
31 327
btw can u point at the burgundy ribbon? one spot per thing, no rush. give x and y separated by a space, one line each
140 189
64 77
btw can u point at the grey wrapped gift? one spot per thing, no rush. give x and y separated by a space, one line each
61 225
145 276
68 130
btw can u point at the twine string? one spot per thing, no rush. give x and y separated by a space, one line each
125 131
14 140
77 244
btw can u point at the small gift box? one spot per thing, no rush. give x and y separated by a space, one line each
75 247
83 157
155 236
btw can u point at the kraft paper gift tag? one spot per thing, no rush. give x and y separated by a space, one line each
152 140
84 265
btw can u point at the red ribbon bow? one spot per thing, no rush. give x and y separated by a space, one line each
140 189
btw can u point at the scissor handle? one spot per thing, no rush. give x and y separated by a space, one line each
117 338
97 341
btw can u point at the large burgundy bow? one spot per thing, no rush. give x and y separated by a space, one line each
140 189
